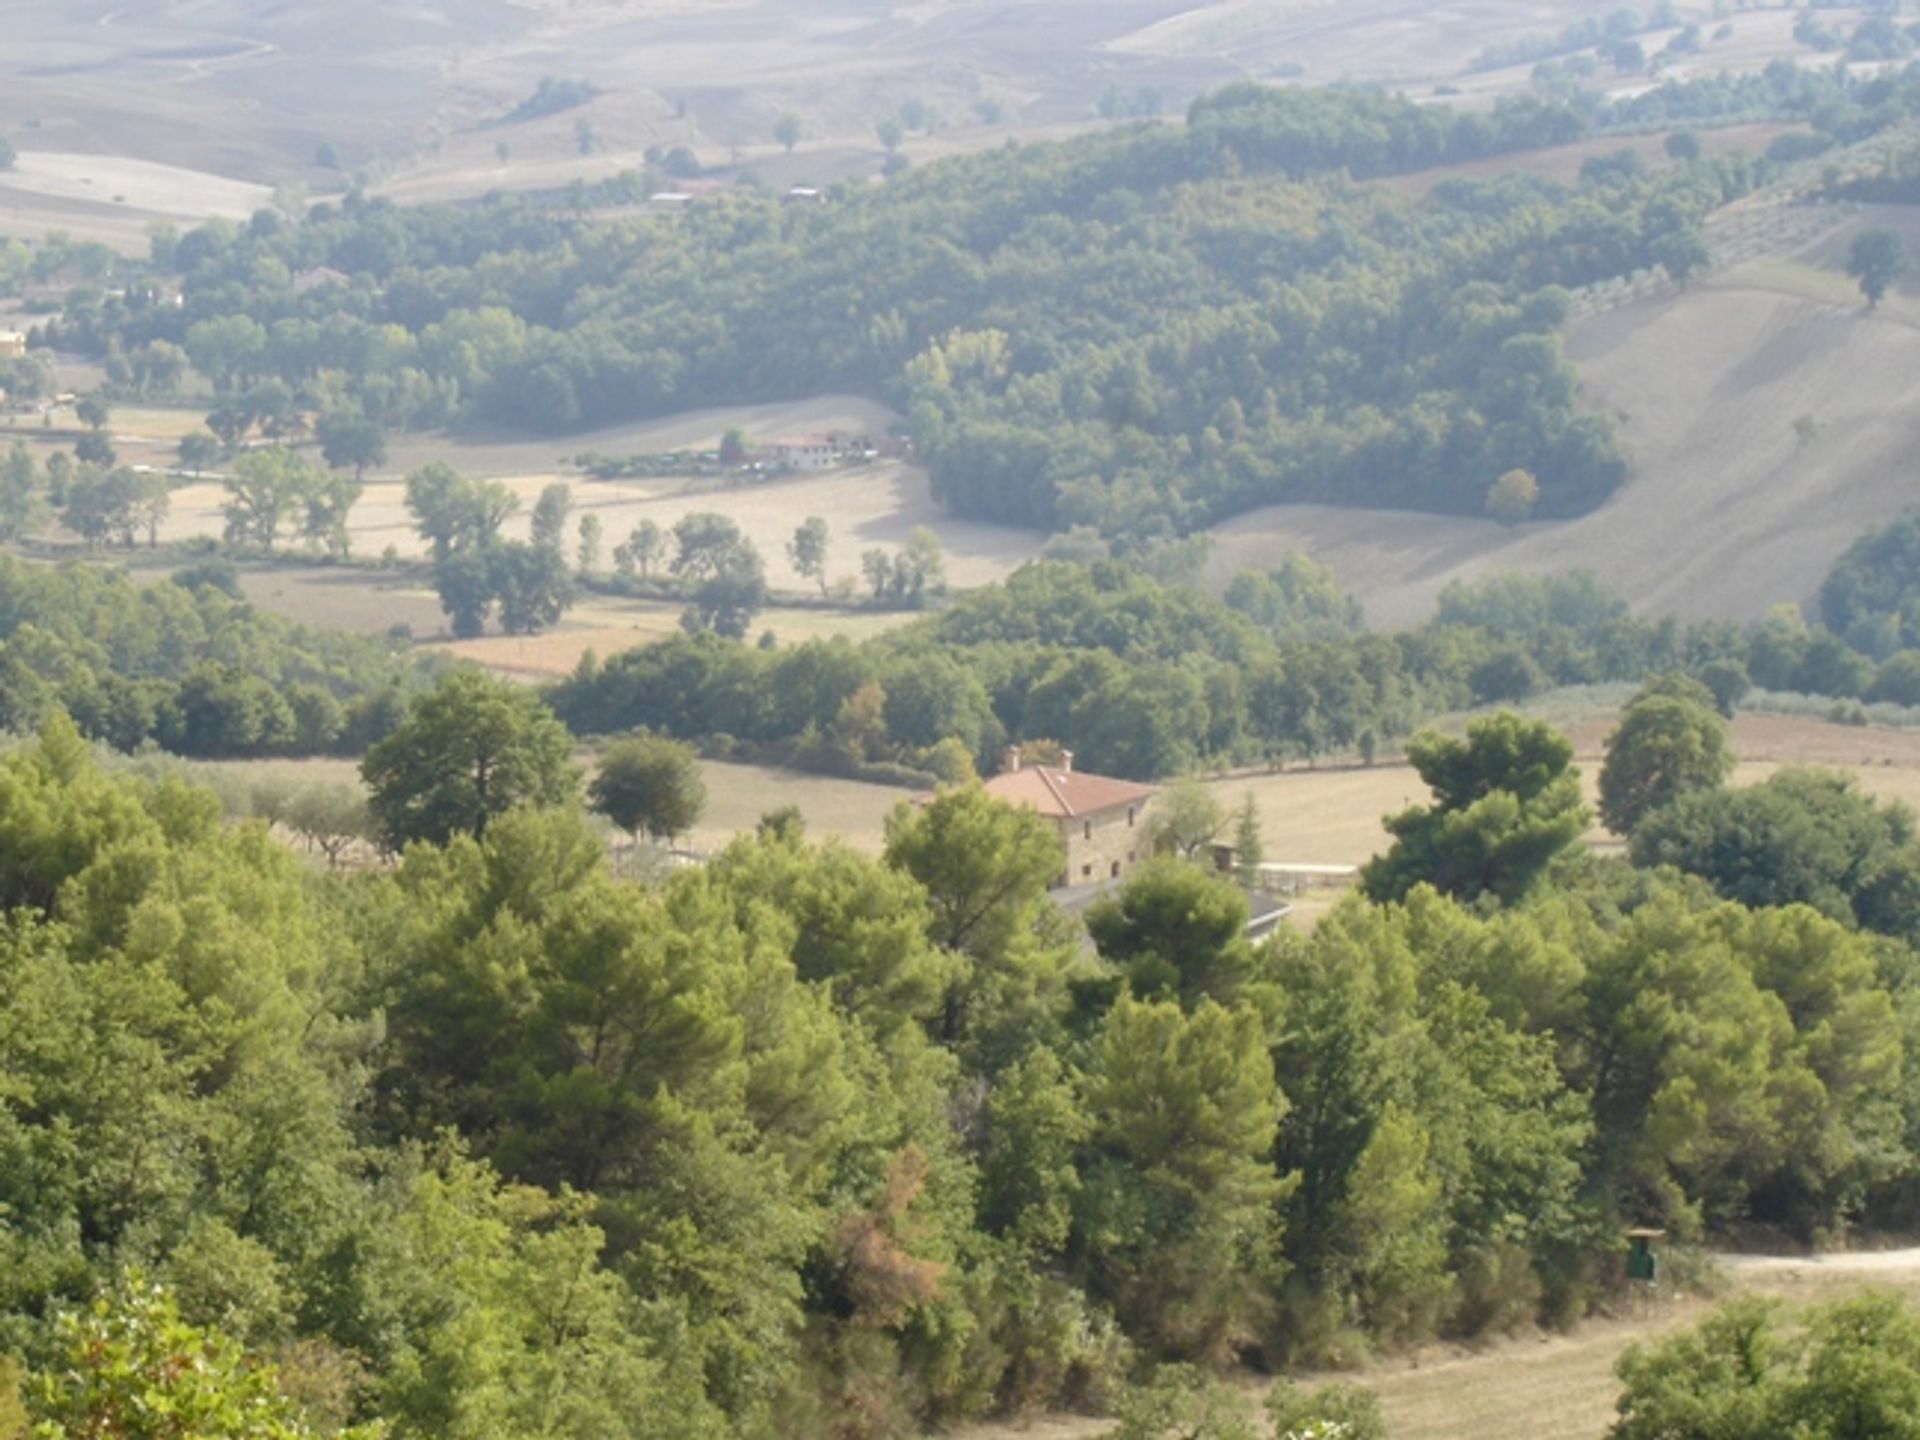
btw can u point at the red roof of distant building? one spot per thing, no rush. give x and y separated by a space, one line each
1065 794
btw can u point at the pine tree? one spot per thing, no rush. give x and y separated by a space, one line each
1248 852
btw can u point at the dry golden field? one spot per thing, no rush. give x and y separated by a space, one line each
1331 815
738 795
374 602
608 626
865 506
1562 1387
359 600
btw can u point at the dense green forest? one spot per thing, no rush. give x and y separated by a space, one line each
802 1143
187 664
1142 330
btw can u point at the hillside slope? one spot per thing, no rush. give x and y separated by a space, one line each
1730 509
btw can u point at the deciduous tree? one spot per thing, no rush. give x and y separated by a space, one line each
470 749
1511 498
550 514
349 440
1665 747
808 551
1186 817
264 488
531 583
1877 259
135 1369
199 452
649 783
589 547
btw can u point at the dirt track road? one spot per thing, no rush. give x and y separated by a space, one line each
1550 1387
1890 1264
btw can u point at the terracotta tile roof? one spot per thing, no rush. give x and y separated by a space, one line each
1065 794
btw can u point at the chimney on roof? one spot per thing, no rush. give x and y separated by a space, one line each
1066 760
1010 759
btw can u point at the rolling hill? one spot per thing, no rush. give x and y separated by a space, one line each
1731 508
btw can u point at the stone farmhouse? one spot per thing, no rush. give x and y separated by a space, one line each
1101 821
805 453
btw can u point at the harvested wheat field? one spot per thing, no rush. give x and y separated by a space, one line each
1731 509
365 601
738 795
375 602
1332 815
868 506
607 626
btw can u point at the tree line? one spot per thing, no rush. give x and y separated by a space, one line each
1141 678
1145 680
189 665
